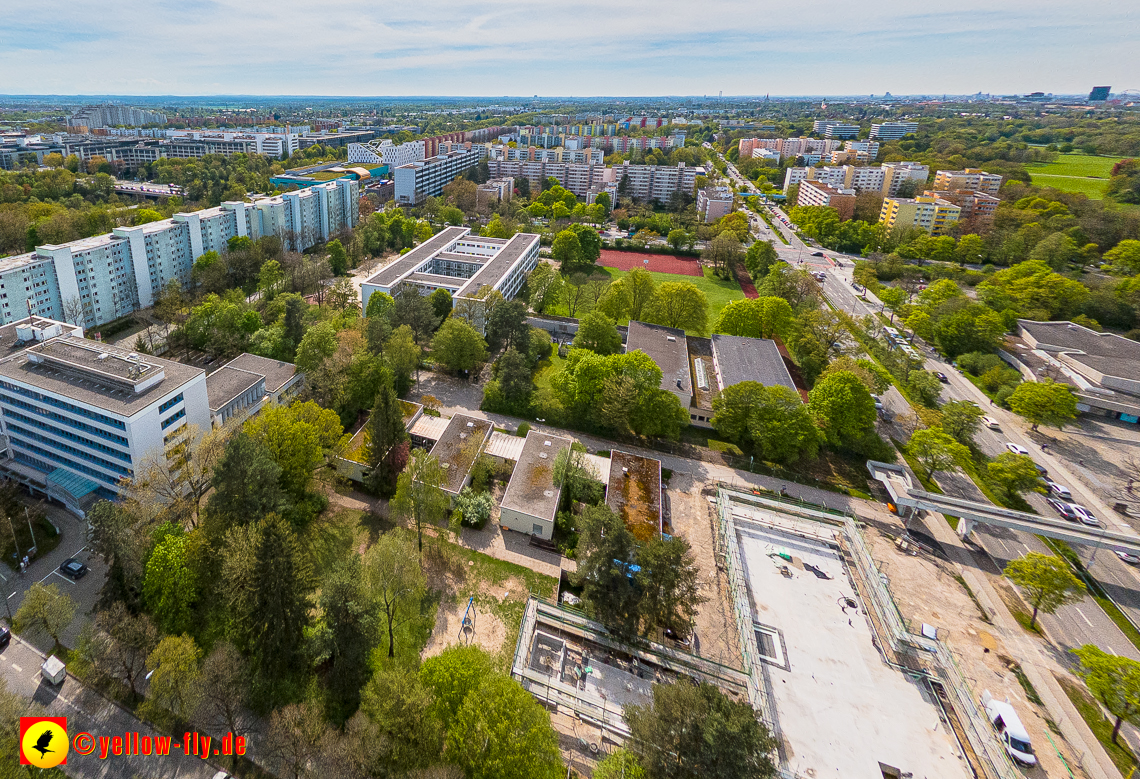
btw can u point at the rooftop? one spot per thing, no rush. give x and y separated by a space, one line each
459 447
634 493
749 359
511 253
277 373
667 347
531 489
1066 336
227 382
394 271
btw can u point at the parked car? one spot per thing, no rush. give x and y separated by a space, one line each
1041 469
942 377
1084 515
73 569
1062 508
5 637
991 423
1058 489
1128 557
817 254
1014 737
1016 449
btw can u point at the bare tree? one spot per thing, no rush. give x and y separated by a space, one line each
74 311
177 477
119 644
298 739
224 691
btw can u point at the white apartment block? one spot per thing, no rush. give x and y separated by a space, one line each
866 150
539 154
971 178
789 147
656 182
884 179
462 264
713 203
419 180
765 154
112 275
898 172
78 416
892 131
578 178
833 129
384 152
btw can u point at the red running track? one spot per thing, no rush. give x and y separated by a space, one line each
658 263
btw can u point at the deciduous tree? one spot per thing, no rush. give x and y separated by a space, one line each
1114 680
458 346
598 333
605 554
45 609
420 498
842 407
1047 582
174 678
679 304
935 450
1014 473
1044 403
395 582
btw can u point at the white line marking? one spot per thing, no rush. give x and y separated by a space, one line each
1086 619
18 668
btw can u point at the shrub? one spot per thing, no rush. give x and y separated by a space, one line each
524 428
978 363
474 507
481 474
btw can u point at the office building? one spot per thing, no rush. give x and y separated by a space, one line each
832 129
1099 94
895 173
893 131
419 180
668 347
932 214
814 193
384 152
971 178
713 203
96 280
978 208
531 500
79 416
93 117
246 384
462 264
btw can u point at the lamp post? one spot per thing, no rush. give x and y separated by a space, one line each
1103 530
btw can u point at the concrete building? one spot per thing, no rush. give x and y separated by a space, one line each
895 173
973 179
656 183
893 131
247 383
384 152
530 502
419 180
78 416
667 347
458 449
833 129
814 193
634 493
713 203
978 208
930 213
93 117
788 147
738 359
865 151
859 179
462 264
494 191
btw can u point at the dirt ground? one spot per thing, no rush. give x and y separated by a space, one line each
926 591
488 632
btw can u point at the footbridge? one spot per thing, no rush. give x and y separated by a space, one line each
905 498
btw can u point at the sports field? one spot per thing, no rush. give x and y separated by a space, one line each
659 263
1082 173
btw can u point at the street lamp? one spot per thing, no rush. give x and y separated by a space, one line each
1103 530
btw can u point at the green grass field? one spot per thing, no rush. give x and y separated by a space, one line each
1082 173
720 292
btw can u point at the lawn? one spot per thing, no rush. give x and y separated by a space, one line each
1082 173
720 292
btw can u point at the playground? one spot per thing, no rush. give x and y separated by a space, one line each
657 263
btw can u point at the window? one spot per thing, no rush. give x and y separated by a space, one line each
536 530
170 403
170 420
770 645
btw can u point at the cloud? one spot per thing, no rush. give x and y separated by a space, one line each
499 47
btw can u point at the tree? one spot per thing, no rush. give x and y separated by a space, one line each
403 355
472 508
678 239
170 587
640 289
458 346
574 474
45 609
380 304
1056 251
297 438
598 333
781 427
935 450
173 679
419 494
502 732
119 538
697 732
338 257
318 344
1014 473
760 258
387 441
842 407
246 482
765 317
669 584
507 326
723 254
605 554
1044 403
178 477
1114 680
961 419
394 580
567 252
925 387
411 308
679 304
452 676
1125 255
297 738
620 764
349 631
1047 581
441 303
545 286
410 735
223 692
119 645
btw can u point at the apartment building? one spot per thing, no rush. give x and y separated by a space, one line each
713 203
860 179
656 182
832 129
578 178
384 152
978 208
93 117
815 193
789 147
539 154
99 279
932 214
78 416
898 172
494 191
419 180
893 131
973 179
865 151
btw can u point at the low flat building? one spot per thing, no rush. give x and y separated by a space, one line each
353 464
531 500
246 384
282 379
458 449
634 493
740 359
494 191
667 347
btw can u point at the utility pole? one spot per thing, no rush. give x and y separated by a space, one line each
14 542
33 533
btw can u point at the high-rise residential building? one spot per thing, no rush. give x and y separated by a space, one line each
930 213
978 208
95 280
861 179
895 173
815 193
892 131
641 182
655 183
834 129
79 416
494 191
384 152
866 151
713 203
788 147
419 180
94 117
973 179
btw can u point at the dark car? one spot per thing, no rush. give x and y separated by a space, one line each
72 568
942 377
817 254
5 636
1062 508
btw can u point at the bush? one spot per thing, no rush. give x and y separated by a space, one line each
997 378
1001 397
481 474
566 534
873 447
524 428
978 363
474 507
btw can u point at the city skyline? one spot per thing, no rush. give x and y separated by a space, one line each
460 49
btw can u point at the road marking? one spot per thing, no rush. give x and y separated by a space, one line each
1086 619
19 670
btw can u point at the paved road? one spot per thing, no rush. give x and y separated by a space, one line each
89 712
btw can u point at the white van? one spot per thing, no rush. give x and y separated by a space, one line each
53 670
1013 735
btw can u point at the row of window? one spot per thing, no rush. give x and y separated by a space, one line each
170 420
124 456
170 403
110 466
60 418
78 410
20 456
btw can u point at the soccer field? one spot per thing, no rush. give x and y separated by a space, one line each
1082 173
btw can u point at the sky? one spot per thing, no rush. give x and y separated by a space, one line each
509 47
